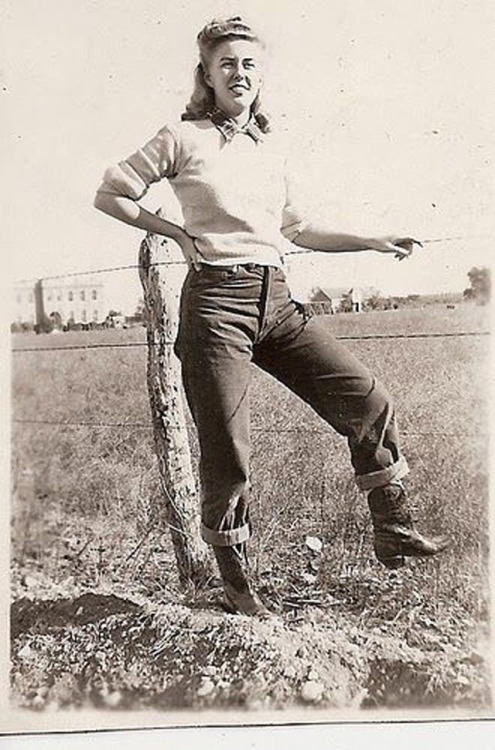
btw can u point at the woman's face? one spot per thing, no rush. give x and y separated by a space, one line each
235 75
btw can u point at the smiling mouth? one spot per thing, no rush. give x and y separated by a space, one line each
238 88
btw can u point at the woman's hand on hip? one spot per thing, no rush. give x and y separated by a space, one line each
187 245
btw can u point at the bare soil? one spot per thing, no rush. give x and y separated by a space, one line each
106 651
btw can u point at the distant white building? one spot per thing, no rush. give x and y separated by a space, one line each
64 300
330 299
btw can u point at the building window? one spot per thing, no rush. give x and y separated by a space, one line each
83 316
70 296
59 296
94 294
82 295
95 315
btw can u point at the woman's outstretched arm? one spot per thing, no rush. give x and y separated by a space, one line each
315 237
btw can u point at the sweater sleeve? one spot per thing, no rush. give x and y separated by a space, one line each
157 159
293 219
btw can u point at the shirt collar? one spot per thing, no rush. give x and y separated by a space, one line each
229 128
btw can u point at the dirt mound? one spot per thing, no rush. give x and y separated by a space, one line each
172 656
26 614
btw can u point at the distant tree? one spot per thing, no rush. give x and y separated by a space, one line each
46 325
56 319
375 302
480 285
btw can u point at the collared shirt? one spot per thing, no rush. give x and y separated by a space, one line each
233 190
229 128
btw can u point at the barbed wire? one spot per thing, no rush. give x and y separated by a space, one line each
253 428
183 262
131 267
54 423
75 347
362 337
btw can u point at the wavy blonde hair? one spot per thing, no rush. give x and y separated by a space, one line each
202 101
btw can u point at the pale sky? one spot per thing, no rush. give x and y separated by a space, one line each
387 105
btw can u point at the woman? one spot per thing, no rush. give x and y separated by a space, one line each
228 173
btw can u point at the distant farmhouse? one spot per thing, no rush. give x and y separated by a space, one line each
64 301
333 299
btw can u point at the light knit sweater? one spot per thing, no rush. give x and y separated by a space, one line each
232 189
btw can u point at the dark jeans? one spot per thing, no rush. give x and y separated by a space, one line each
232 316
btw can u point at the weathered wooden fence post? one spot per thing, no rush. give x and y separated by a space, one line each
181 504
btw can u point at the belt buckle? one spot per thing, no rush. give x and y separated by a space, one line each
251 267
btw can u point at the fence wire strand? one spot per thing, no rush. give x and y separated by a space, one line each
138 344
253 428
362 337
183 262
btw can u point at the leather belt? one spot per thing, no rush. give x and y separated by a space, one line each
232 268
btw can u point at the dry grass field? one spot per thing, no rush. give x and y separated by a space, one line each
98 618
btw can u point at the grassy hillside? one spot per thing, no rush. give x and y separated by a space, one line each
87 522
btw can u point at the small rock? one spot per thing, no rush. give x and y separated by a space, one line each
38 702
113 699
209 670
314 544
311 691
26 652
205 688
314 676
30 582
475 657
289 672
308 578
255 705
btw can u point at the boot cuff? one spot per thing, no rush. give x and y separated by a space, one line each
225 538
398 470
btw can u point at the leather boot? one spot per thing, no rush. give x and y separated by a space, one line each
239 595
395 534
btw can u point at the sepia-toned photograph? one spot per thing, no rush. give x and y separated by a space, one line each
249 261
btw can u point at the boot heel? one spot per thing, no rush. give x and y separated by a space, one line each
392 563
240 598
396 536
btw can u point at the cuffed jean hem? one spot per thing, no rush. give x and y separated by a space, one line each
398 470
225 538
